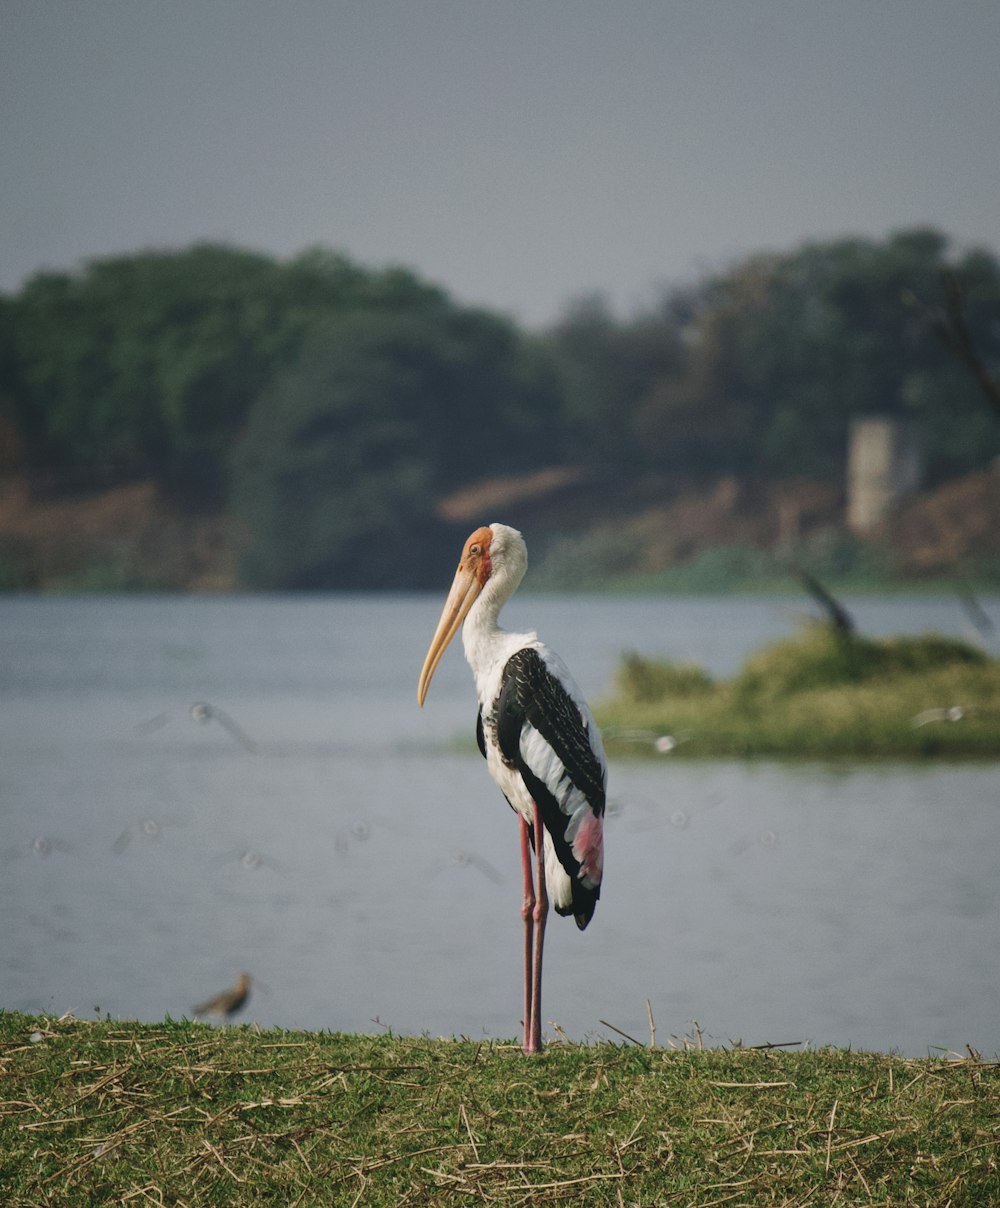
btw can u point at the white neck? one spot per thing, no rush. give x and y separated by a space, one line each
487 646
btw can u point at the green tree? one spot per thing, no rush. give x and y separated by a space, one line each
142 364
784 350
605 369
701 416
148 364
338 477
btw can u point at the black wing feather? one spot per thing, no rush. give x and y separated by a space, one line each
480 733
532 694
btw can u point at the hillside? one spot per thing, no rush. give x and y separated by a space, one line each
125 537
130 536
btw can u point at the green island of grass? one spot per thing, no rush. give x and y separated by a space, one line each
820 694
100 1112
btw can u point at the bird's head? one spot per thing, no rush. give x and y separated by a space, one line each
494 559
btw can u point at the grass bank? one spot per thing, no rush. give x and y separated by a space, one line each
820 694
183 1113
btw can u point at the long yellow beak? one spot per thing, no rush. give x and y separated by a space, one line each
461 598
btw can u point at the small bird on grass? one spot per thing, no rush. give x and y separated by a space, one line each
226 1004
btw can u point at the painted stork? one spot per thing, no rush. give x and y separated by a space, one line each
540 743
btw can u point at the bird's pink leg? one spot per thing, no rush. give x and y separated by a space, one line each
539 914
527 913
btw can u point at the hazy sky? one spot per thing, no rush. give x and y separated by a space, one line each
517 152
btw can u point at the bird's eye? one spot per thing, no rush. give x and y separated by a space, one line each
475 549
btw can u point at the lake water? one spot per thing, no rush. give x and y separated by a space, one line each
348 849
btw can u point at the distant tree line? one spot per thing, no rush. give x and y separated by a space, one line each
330 407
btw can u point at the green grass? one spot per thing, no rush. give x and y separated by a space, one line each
817 695
181 1113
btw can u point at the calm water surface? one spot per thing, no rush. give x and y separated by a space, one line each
349 850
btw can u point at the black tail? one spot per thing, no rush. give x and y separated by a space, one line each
583 905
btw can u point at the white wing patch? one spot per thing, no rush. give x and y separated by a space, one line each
580 831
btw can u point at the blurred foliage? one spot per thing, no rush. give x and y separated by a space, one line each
783 351
816 695
585 561
607 557
725 567
102 578
824 658
644 679
346 456
149 364
15 572
329 407
605 369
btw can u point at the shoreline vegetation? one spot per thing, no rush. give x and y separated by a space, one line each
340 402
822 693
182 1113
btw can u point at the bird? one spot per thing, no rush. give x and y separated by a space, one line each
146 827
203 712
229 1001
663 744
953 713
541 745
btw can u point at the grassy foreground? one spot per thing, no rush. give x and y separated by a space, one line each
183 1113
816 695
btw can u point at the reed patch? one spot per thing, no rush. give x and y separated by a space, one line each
818 694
